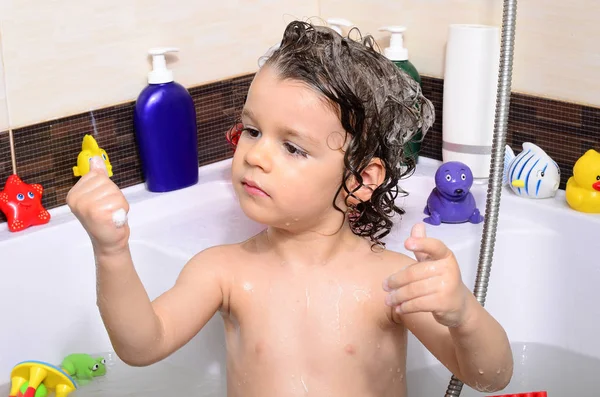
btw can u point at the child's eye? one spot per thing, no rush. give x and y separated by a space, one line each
294 150
251 131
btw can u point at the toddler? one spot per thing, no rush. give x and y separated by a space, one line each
318 157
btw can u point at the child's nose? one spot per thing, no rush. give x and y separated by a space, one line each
259 155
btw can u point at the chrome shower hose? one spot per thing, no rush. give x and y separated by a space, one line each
488 238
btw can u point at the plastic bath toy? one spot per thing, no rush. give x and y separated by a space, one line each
89 149
28 376
233 135
531 173
451 201
530 394
84 367
583 188
22 204
38 379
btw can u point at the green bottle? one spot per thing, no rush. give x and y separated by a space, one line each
399 55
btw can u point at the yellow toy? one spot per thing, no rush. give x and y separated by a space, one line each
89 149
583 188
40 375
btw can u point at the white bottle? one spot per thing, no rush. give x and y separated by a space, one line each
334 23
469 103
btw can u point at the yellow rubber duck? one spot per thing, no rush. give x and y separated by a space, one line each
89 149
583 188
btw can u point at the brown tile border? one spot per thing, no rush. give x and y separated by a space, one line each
5 163
46 152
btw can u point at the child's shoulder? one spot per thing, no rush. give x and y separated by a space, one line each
379 263
219 254
394 261
226 255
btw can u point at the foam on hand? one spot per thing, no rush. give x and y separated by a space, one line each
119 217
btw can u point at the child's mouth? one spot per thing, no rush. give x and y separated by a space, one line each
253 189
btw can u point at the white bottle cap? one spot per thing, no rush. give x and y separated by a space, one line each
160 74
396 50
335 23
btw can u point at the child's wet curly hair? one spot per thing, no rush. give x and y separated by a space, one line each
380 106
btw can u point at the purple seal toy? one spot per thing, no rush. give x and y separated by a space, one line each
451 200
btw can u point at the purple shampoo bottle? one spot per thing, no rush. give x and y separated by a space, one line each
166 130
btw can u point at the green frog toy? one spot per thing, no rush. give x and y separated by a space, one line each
83 367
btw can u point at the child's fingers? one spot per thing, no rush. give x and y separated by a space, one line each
431 247
426 303
412 291
417 272
98 165
418 230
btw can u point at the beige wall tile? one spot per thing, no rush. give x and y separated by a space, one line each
556 53
67 56
557 49
3 106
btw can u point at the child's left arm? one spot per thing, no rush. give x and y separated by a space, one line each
431 300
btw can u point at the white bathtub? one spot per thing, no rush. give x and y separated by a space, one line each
544 288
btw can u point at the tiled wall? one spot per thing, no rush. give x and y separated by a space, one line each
66 57
46 152
59 68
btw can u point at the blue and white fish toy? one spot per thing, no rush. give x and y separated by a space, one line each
531 173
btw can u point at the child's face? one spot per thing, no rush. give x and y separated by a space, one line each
288 164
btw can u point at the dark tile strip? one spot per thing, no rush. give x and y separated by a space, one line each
5 163
46 152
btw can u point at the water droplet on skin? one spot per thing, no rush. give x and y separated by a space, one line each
287 223
304 384
480 372
398 370
391 370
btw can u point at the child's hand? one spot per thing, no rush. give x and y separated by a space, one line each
433 284
94 199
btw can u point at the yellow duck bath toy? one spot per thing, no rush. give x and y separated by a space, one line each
89 149
583 188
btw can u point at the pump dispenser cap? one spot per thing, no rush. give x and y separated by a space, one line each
159 73
396 50
336 23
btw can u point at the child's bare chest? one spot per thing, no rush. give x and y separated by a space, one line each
328 334
282 313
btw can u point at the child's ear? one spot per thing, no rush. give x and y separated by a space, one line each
372 176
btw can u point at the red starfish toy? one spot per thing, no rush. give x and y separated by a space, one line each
22 204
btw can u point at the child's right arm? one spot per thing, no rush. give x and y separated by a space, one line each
142 332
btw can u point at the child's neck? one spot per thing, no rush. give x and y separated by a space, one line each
311 248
